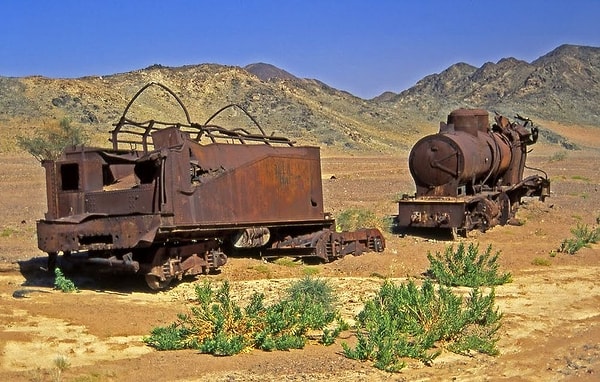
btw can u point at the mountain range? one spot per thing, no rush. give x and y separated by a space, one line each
563 86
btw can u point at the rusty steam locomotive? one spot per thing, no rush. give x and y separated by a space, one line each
171 199
469 176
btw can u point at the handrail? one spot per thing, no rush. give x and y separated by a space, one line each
130 128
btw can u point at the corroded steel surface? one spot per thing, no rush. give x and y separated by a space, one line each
173 198
470 175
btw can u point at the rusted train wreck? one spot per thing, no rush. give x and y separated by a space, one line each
470 175
171 199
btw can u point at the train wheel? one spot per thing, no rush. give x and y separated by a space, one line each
161 274
457 233
483 214
155 283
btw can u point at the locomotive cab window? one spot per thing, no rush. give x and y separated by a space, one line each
69 176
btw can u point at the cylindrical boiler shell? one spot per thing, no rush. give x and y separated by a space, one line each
440 159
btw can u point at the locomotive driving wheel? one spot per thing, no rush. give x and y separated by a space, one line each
156 283
161 273
482 213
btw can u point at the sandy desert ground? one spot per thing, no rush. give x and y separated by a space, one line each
551 324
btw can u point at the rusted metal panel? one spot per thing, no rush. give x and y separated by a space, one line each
429 213
268 185
97 233
139 200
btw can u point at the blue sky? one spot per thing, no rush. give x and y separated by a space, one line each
364 47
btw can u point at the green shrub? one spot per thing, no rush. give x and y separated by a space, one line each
263 269
311 270
355 218
7 232
558 156
48 144
313 291
405 321
219 326
62 283
579 177
466 267
583 237
287 262
541 262
61 363
167 337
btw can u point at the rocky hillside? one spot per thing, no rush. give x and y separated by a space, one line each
563 86
305 110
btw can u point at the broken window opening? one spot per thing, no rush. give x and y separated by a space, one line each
69 176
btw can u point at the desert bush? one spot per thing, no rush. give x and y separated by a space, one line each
288 262
405 321
168 337
48 144
311 270
582 178
62 283
61 363
313 291
466 267
584 235
219 326
541 262
558 156
355 218
7 232
263 269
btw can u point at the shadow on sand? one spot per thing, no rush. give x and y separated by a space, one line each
36 274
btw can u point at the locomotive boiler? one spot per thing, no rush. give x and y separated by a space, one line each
469 175
173 199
